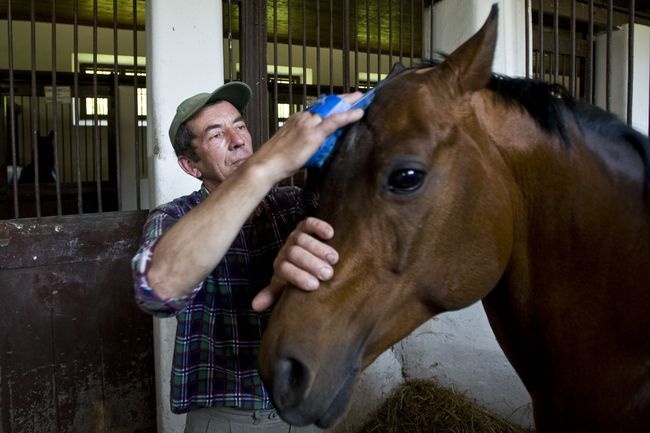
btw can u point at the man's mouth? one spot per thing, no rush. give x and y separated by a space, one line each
239 161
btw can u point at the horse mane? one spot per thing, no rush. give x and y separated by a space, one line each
547 104
544 102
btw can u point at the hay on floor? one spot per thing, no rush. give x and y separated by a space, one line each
420 406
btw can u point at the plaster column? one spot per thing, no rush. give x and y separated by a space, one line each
619 74
455 21
184 57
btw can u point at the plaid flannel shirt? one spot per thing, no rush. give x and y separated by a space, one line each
218 333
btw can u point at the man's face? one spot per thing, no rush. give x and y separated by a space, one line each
222 142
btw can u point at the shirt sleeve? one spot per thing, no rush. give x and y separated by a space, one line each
147 299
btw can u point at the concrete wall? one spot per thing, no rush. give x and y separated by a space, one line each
619 76
182 61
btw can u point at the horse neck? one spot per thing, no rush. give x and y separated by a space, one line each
570 198
582 235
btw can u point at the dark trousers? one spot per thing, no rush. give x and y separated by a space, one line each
230 420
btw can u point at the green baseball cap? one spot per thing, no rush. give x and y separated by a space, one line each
235 92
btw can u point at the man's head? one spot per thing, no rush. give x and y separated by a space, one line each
209 134
235 92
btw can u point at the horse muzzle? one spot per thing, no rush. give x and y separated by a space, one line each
310 377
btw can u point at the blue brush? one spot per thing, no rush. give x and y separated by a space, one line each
327 105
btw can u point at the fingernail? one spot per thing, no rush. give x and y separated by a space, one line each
326 273
312 284
332 258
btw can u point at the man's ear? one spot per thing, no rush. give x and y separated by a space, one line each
189 166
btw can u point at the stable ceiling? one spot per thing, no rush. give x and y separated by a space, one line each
404 13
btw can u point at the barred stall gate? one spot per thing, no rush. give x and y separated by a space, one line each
75 353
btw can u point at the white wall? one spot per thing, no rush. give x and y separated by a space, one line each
185 57
22 44
619 75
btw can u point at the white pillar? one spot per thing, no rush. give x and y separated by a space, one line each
455 21
619 76
184 57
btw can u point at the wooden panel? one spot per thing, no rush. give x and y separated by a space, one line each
76 354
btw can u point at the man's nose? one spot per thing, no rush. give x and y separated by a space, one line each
235 139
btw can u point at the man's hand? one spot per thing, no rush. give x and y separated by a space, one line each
289 149
304 261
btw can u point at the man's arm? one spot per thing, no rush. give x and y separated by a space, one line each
187 253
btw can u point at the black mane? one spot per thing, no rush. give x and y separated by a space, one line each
543 101
546 104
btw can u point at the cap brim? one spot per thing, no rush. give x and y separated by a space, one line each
235 92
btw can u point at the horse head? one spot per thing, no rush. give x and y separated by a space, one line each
414 196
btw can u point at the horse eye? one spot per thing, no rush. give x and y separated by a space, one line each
406 180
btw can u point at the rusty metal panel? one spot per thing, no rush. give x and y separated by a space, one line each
76 354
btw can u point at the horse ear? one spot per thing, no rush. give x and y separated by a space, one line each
396 69
471 63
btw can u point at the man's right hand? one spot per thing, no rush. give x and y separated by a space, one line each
304 261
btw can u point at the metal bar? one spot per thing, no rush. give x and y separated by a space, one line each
55 115
231 63
290 57
608 56
97 149
77 107
390 33
12 110
345 49
527 36
630 63
355 31
34 119
367 43
253 71
589 85
432 50
275 66
304 53
401 32
556 41
540 28
572 80
331 47
136 137
318 48
412 47
378 39
116 117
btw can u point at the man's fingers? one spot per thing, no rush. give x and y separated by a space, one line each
311 230
318 227
304 271
309 253
267 296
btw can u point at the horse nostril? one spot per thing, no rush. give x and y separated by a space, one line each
290 383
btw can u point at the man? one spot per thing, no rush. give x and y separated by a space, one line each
208 257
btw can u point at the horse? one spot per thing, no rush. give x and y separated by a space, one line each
46 166
461 185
